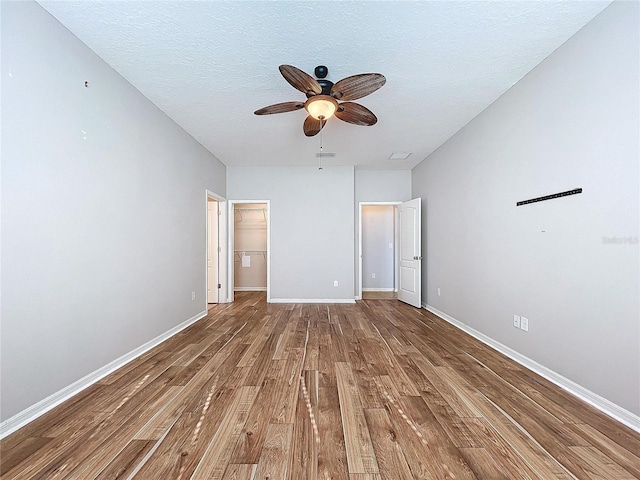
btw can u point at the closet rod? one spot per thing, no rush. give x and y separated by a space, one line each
240 210
238 254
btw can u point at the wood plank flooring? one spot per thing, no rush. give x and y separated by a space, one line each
379 295
373 391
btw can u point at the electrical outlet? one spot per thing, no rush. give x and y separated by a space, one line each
524 323
438 291
516 321
391 245
193 296
373 275
335 283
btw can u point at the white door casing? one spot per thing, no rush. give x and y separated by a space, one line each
230 238
396 242
212 252
410 277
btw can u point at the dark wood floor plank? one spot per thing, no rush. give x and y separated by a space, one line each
88 459
542 463
126 461
215 459
332 456
509 461
482 464
59 414
598 465
237 471
306 437
249 445
287 388
263 361
11 457
76 450
622 457
274 459
445 456
391 461
361 457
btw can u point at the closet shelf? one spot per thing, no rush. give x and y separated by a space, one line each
240 210
239 253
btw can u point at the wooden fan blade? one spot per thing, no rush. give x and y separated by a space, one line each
280 108
357 86
312 126
355 113
300 80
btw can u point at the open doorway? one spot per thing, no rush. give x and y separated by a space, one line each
378 261
216 259
249 235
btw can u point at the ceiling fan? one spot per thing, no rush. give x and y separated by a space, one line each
324 98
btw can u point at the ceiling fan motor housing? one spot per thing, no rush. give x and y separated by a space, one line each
321 73
326 85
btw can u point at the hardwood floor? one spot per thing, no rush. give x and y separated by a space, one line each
377 390
379 295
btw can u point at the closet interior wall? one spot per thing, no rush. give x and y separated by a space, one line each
250 247
378 248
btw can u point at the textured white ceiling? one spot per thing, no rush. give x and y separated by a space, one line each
210 64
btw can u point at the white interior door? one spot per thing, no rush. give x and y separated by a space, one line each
410 277
212 252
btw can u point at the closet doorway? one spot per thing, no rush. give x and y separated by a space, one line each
378 261
250 234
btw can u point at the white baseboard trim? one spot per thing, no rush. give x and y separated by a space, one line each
19 420
250 289
313 300
358 297
605 406
378 289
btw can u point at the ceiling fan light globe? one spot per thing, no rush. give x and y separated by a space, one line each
321 107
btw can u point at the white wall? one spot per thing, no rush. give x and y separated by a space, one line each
572 122
103 212
378 234
312 227
383 185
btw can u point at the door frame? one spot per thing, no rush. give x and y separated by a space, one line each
222 246
395 241
230 241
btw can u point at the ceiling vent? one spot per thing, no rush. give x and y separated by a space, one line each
399 156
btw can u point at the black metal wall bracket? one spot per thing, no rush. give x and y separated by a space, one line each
549 197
